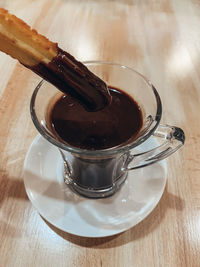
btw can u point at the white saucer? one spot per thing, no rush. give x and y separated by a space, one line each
89 217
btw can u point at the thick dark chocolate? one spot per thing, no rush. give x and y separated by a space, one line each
117 123
74 79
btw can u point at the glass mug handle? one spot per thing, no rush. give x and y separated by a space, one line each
173 137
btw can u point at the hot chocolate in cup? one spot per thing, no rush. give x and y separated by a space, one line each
97 148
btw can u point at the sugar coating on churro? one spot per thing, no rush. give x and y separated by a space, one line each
21 42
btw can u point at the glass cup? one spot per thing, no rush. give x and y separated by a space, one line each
100 173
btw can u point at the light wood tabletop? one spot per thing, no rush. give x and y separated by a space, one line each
158 38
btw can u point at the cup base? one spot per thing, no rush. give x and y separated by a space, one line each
98 193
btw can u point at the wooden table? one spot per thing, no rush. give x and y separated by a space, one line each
159 38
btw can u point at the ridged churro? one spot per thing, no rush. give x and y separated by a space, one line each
45 58
22 43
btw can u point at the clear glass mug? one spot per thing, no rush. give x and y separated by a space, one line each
100 173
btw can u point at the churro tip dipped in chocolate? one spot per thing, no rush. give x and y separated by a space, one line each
46 59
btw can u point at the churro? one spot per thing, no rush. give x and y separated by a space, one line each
18 40
45 58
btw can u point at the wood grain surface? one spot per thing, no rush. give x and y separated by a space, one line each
159 38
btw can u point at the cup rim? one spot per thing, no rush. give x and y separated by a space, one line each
103 152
